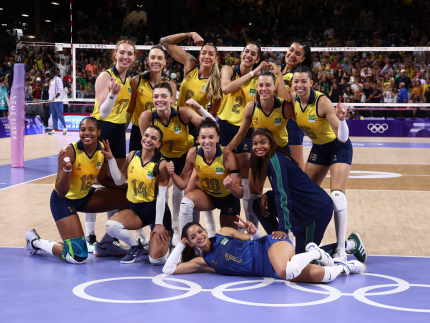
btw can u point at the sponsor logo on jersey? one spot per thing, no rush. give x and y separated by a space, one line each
198 168
255 120
224 241
150 175
99 165
278 121
79 166
252 92
129 91
141 92
219 171
311 118
131 170
204 88
177 129
231 257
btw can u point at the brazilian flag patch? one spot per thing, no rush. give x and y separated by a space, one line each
219 171
278 121
177 129
252 91
99 165
311 118
224 241
150 175
129 91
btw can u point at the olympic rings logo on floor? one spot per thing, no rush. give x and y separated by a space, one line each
377 127
332 293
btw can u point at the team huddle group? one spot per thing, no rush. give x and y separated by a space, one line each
228 132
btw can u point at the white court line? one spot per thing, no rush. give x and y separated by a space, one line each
327 189
4 188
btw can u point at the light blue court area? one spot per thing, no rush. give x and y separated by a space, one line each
45 289
381 144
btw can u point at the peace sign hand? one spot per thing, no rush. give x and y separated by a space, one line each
247 225
106 151
114 87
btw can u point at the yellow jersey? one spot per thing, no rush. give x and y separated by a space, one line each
275 121
193 87
84 170
140 179
316 128
288 76
233 104
211 176
176 136
122 101
143 98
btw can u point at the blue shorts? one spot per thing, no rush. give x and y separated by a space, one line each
178 162
331 153
115 133
62 207
135 139
228 205
146 213
295 134
227 133
192 129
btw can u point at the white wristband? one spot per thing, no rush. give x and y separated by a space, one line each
256 236
172 262
252 73
205 114
343 132
106 108
117 176
67 171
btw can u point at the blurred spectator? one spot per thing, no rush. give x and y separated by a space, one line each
57 108
417 89
415 99
374 94
68 77
37 89
403 78
62 67
359 95
91 66
32 76
334 94
389 95
4 98
403 94
28 91
46 108
427 95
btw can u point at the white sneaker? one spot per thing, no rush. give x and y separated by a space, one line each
340 254
325 259
211 233
64 131
91 242
176 237
356 267
109 248
53 132
141 236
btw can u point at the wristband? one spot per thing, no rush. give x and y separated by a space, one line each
67 171
252 73
256 236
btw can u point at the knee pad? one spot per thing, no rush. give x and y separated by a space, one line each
159 261
293 269
187 207
339 200
113 228
75 250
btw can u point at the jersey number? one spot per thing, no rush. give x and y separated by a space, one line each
87 182
212 184
123 104
149 105
308 131
235 108
170 143
141 189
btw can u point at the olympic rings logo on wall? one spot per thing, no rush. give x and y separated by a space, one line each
332 293
377 127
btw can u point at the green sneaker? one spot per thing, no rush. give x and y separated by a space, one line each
360 251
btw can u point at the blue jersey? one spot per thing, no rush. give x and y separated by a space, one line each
234 257
298 199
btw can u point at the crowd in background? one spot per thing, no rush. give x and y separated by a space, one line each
344 76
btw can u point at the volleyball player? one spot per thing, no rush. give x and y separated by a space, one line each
147 180
218 173
331 147
297 55
238 254
202 82
174 122
113 94
79 164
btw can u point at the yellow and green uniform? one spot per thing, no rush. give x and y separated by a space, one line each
233 104
317 128
122 101
276 122
288 76
176 137
140 179
143 98
84 170
193 87
211 176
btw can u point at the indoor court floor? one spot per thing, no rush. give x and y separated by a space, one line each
388 204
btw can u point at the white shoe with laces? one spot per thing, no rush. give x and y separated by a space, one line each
64 131
325 260
141 236
340 254
53 132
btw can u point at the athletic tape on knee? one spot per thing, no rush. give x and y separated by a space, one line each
117 230
159 261
293 269
75 250
339 200
185 213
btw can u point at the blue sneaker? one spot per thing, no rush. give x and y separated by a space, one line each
133 253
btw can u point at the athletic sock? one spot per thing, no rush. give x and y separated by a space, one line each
210 221
331 273
340 222
110 213
45 245
298 262
247 201
350 245
186 213
115 229
177 196
90 223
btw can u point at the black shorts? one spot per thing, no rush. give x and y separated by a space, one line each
228 205
192 129
295 134
331 153
135 139
115 133
146 213
62 207
227 133
178 162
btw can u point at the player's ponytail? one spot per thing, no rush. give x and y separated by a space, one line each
157 153
213 84
188 253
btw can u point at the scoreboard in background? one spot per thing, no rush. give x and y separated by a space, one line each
72 121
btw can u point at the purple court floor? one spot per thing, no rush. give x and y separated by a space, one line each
44 289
